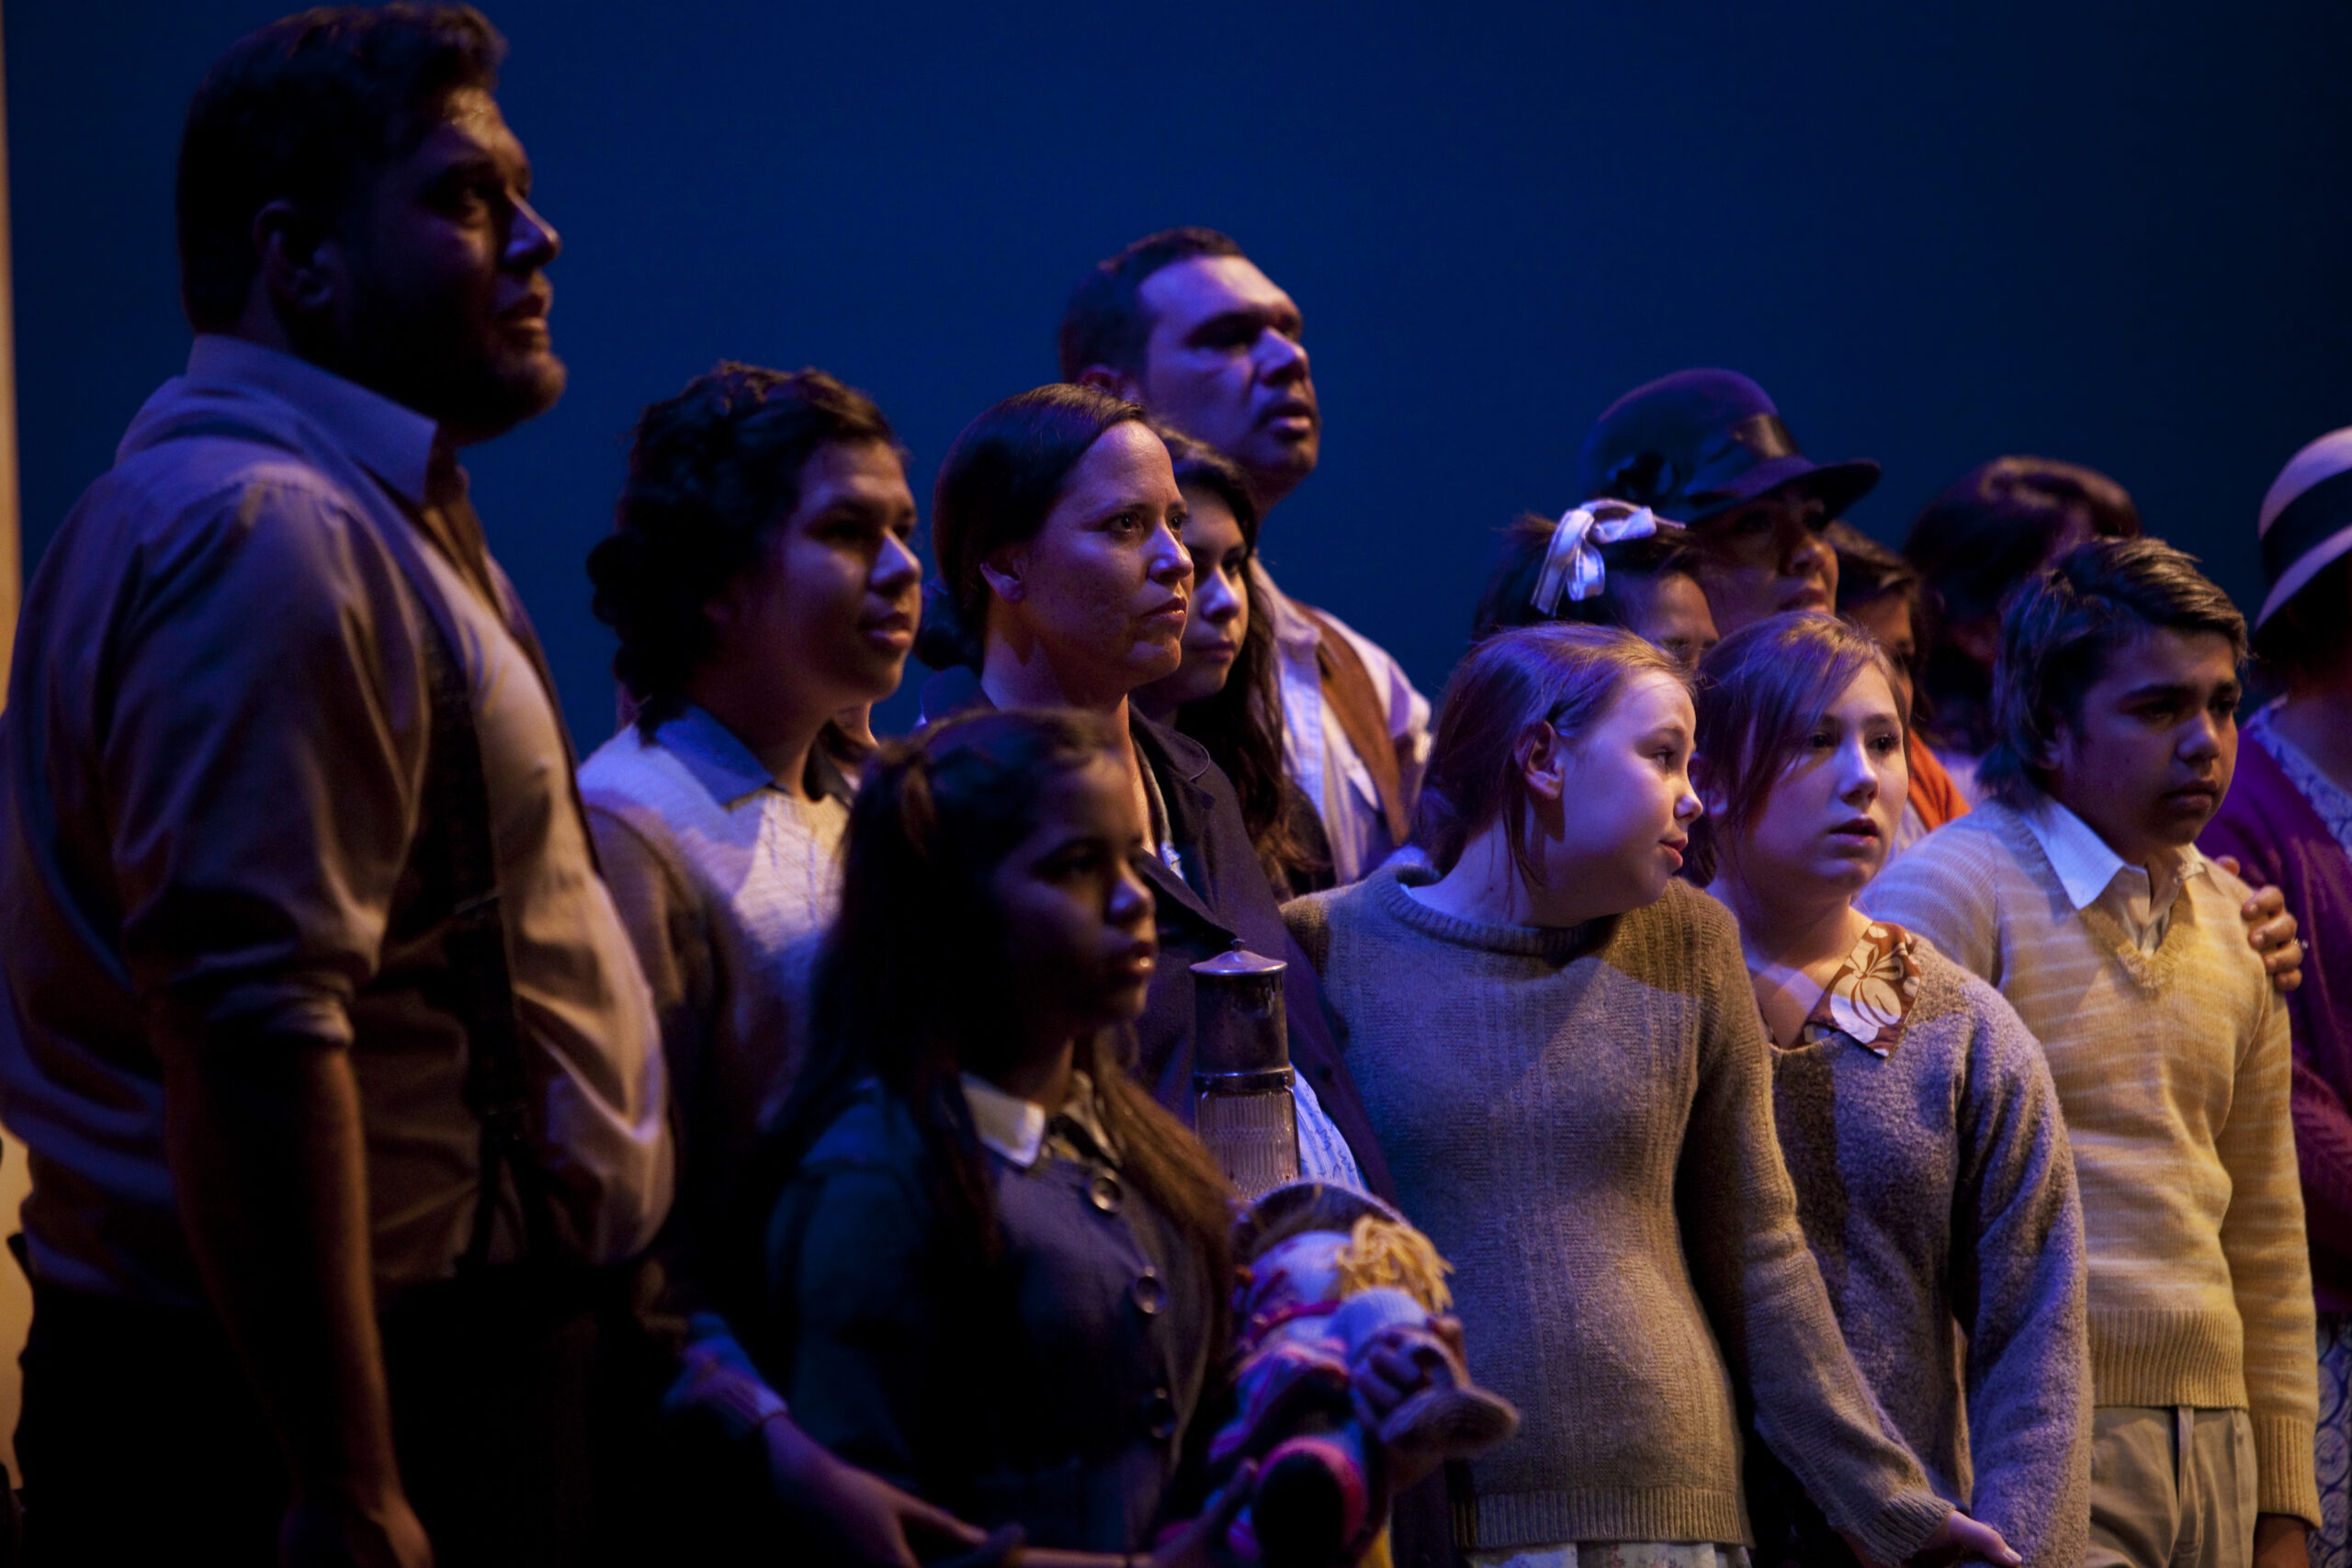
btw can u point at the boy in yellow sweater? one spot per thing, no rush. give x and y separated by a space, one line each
2078 892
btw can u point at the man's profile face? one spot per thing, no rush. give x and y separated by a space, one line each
443 305
1225 364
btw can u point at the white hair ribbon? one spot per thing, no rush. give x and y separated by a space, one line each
1572 565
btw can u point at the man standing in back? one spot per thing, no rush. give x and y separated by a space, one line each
1182 323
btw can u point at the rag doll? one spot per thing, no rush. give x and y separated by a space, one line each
1329 1275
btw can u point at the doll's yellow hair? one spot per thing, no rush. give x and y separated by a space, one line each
1383 1252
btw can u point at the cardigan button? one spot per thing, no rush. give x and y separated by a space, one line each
1103 1191
1149 1293
1159 1415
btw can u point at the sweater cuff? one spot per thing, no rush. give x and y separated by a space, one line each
717 1386
1903 1525
2286 1471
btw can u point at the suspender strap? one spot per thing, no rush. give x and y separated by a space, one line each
455 809
497 1089
1355 702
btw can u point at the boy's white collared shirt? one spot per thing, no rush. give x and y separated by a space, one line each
2092 873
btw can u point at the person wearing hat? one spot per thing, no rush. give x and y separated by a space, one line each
2288 819
1708 449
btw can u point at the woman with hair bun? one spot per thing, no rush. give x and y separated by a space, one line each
1064 582
1992 531
1561 1055
1916 1113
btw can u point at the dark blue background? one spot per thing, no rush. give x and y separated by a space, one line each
2115 233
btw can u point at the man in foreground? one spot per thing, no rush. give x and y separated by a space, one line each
342 1089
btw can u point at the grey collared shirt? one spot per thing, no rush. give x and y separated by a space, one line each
213 770
727 879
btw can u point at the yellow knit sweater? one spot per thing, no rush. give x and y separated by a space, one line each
2173 1070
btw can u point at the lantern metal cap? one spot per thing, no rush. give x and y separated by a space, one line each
1239 960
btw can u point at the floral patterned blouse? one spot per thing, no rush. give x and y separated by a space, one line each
1868 1000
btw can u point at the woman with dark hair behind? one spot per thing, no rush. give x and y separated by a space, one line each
1063 582
1915 1112
1998 525
997 1274
1228 695
1878 591
1604 563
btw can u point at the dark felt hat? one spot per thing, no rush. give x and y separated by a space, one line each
1691 444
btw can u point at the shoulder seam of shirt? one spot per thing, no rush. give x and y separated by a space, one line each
668 863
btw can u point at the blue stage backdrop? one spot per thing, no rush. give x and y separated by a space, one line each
2114 233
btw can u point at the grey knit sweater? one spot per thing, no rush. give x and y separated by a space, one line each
1938 1193
1582 1121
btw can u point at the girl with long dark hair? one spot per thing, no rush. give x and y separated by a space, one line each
1228 694
997 1275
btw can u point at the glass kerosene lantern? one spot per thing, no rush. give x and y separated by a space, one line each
1241 1072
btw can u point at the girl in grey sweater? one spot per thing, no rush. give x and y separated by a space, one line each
1914 1111
1558 1050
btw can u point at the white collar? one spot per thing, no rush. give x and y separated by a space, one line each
1015 1129
2085 862
1012 1126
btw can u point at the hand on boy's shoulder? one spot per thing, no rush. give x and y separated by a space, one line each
2270 930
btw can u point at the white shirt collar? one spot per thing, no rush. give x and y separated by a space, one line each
1015 1129
394 442
1010 1126
710 751
2085 864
